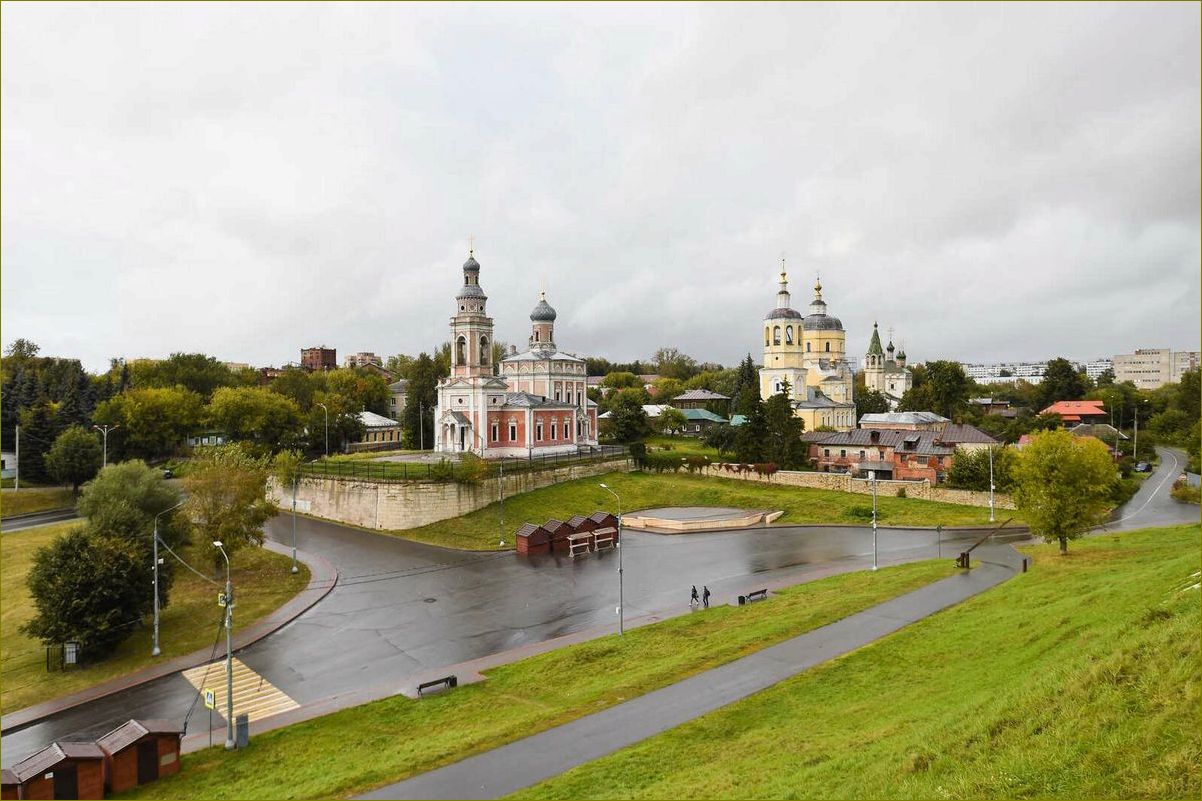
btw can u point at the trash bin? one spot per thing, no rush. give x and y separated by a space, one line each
241 731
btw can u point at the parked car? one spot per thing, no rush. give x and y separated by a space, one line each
167 473
1143 467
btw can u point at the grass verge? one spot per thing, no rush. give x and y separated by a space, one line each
1077 680
479 530
355 749
35 499
187 623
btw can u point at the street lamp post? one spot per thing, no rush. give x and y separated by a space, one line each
229 651
104 430
295 481
326 410
621 596
872 478
154 651
991 487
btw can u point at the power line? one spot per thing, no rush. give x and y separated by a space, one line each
185 564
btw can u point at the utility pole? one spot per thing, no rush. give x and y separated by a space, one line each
1135 444
621 596
17 475
228 597
326 410
991 484
421 426
295 481
105 431
154 651
872 478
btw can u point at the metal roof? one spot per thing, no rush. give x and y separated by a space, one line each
400 385
543 313
373 420
541 354
702 414
822 322
525 400
783 313
700 395
907 418
131 731
53 754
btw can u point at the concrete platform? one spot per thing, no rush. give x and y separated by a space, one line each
681 519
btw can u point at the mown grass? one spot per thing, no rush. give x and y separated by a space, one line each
1079 679
687 446
35 499
479 530
355 749
188 622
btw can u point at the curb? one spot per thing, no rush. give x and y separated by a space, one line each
322 578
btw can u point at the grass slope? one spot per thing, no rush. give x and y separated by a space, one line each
1077 680
479 530
35 499
187 623
355 749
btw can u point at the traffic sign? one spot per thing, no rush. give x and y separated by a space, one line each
210 701
221 599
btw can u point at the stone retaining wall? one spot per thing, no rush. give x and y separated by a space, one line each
395 506
844 483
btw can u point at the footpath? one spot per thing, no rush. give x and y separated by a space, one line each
526 762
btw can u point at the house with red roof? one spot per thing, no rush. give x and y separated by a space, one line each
1074 412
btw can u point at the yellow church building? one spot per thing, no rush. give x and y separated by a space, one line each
808 355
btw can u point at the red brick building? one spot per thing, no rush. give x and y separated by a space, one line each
1072 413
61 770
319 358
139 751
897 454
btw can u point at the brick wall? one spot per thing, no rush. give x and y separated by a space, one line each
845 483
396 506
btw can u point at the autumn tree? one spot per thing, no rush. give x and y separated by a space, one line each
1063 485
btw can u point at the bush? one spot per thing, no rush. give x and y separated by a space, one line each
901 492
442 471
1184 493
74 457
860 512
472 469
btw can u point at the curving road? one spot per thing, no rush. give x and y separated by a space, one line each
401 608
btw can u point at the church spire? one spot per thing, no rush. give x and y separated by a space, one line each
782 296
874 344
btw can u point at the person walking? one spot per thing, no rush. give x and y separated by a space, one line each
693 599
705 597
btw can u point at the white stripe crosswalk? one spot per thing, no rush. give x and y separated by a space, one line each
254 695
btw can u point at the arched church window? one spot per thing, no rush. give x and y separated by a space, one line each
828 347
776 335
788 335
461 350
536 336
484 351
807 347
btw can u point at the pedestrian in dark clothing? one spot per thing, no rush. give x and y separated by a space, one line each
693 600
705 597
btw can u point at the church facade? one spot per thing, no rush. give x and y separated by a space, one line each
885 371
808 355
532 403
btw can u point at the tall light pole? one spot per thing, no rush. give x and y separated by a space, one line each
105 431
421 426
295 481
326 409
228 597
1135 443
154 651
872 478
621 597
991 487
17 469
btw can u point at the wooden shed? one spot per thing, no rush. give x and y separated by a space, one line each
139 751
604 520
581 523
559 531
62 770
532 539
9 786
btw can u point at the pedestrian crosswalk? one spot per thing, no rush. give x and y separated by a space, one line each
254 695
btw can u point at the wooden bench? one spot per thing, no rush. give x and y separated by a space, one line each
580 543
446 681
758 595
604 538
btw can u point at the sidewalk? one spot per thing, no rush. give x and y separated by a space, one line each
322 578
520 764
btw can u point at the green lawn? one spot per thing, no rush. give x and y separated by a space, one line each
356 749
1079 679
686 446
34 499
188 622
479 530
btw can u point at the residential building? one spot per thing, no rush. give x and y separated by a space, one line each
885 371
1151 368
362 359
398 394
808 354
1005 372
701 399
378 429
1072 412
319 358
991 405
905 421
894 453
537 405
1095 367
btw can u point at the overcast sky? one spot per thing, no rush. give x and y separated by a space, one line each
993 181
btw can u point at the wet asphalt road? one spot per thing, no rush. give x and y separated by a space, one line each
401 607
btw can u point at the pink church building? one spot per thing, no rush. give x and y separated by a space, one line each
531 404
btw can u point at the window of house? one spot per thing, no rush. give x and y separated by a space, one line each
807 347
557 394
566 430
826 451
828 347
538 432
496 432
513 432
861 454
842 452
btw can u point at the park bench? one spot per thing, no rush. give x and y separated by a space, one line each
758 595
446 681
604 538
580 543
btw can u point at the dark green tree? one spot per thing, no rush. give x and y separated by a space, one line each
195 371
1061 381
782 441
751 436
417 420
39 427
628 421
74 457
940 387
870 401
747 388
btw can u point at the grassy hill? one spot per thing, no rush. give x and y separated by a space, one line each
1079 679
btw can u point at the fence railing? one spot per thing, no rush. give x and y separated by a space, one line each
453 470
